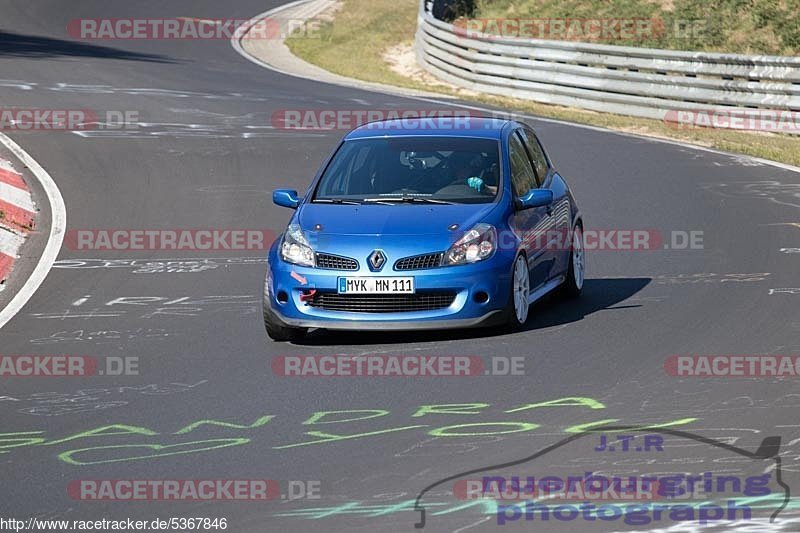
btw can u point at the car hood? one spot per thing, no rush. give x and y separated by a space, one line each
400 219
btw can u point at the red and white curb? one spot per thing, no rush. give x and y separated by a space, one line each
10 244
17 215
54 234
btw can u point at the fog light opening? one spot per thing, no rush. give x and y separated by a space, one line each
481 297
283 297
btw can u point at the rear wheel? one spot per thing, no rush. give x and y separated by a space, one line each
577 265
517 310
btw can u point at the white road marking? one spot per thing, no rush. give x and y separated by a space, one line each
58 226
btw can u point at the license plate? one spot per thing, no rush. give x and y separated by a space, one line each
376 285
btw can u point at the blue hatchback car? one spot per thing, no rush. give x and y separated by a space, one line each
460 223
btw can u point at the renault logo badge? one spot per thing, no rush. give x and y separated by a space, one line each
376 260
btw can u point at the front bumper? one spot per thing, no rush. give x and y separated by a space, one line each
481 295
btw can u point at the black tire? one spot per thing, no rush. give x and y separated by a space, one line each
279 332
571 288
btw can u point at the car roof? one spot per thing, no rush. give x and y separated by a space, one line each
449 126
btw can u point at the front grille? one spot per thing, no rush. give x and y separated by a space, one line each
335 262
419 261
382 303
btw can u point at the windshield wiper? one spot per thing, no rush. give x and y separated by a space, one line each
334 201
408 200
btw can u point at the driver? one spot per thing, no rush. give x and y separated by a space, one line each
467 169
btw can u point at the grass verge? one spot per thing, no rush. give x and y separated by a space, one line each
733 26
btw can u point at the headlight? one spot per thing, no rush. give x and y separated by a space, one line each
476 245
295 248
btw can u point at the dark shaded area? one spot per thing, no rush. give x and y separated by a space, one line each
597 295
35 47
450 10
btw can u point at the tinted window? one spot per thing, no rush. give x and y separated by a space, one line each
451 169
536 153
521 170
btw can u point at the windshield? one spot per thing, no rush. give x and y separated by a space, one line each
395 171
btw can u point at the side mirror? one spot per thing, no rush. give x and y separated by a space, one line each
287 198
536 198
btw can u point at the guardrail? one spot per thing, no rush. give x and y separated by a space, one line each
642 82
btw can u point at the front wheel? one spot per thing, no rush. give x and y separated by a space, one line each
577 265
518 305
280 333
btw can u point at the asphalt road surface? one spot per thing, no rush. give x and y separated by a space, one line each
204 159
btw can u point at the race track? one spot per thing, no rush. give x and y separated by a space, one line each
207 159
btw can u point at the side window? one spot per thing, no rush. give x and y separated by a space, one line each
522 176
536 153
